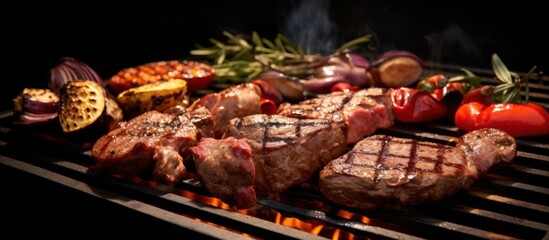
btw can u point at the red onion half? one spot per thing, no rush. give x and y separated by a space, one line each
349 68
36 105
70 69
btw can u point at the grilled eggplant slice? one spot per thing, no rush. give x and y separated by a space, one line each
84 109
153 96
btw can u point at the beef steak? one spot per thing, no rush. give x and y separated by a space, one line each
287 151
226 169
236 101
152 140
382 169
359 114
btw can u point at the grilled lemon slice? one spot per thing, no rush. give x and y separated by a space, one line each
153 96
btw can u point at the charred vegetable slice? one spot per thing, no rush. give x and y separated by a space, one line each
396 69
153 96
198 75
82 104
36 105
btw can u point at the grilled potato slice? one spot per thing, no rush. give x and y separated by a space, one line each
83 102
153 96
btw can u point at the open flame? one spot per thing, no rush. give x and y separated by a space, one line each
313 228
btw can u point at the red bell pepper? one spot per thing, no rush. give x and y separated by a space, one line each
427 102
270 97
518 120
412 105
343 87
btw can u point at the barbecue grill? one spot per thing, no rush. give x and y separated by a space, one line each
45 179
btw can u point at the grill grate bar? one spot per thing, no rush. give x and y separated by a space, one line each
198 227
344 223
453 220
434 225
497 217
486 200
172 202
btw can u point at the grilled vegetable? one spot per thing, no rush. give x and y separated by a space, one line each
70 69
517 120
158 96
198 75
36 105
84 109
396 69
432 99
502 107
348 68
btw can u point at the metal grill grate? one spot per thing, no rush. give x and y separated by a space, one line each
509 203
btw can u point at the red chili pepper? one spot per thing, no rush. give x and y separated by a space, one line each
518 120
412 105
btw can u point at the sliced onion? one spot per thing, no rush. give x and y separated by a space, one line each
28 118
289 87
32 105
70 69
36 105
348 68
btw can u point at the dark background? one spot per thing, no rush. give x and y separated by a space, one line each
110 37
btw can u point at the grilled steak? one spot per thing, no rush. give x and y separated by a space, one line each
226 169
237 101
360 114
152 140
200 117
383 170
287 151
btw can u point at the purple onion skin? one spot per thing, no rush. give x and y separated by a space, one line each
403 75
70 69
349 68
39 107
289 87
358 60
28 118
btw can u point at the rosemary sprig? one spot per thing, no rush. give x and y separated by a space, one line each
240 59
508 91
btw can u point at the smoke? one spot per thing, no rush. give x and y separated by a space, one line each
453 45
309 25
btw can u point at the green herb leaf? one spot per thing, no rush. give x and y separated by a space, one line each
501 71
512 96
256 39
526 77
204 51
354 42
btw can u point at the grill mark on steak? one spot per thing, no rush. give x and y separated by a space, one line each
380 162
410 169
358 114
265 126
327 107
382 170
287 151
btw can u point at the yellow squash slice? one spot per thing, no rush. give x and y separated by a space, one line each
153 96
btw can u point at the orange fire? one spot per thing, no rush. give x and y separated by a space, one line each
313 228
